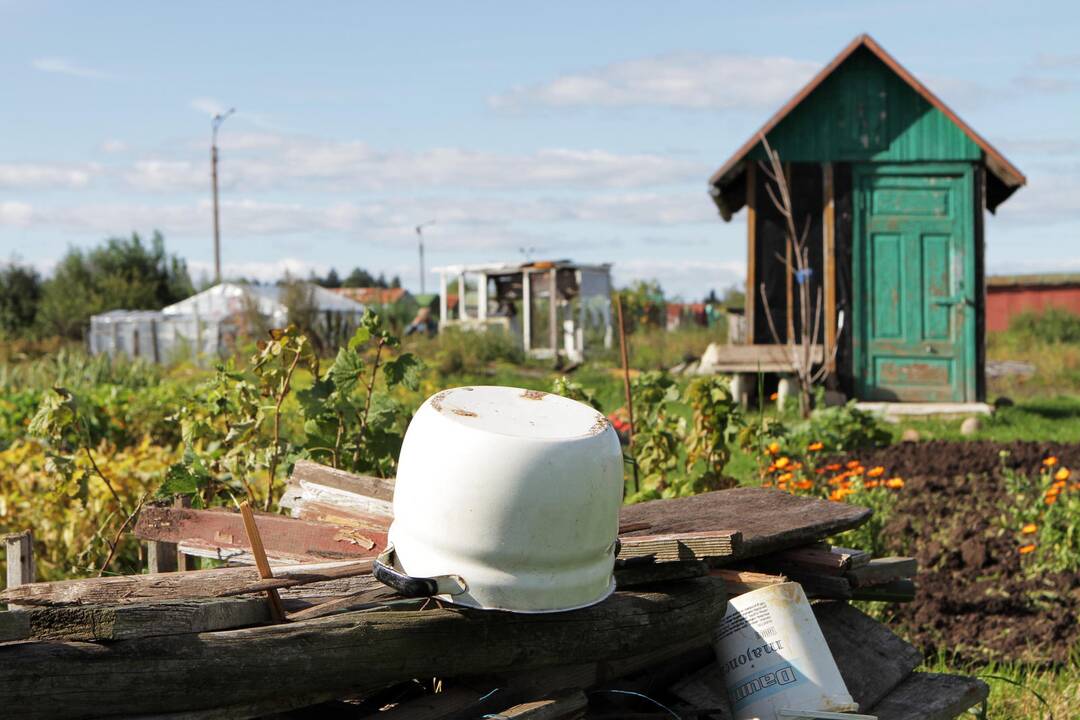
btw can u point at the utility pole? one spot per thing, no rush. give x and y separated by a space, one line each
215 123
420 240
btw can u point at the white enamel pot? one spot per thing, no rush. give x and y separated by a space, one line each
506 499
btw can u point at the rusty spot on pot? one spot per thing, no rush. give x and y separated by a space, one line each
600 425
534 394
437 401
463 413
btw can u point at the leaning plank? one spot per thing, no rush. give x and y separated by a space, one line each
13 626
570 704
347 652
221 582
124 622
287 539
681 546
882 570
769 520
872 660
931 696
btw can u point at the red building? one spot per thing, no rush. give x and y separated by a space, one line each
1010 295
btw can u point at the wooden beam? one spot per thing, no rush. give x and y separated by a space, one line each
751 250
218 533
221 582
828 254
261 563
637 573
882 570
902 590
124 622
820 558
14 626
20 558
351 651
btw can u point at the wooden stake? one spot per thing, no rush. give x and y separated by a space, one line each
626 384
276 611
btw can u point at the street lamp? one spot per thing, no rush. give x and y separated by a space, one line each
215 123
420 240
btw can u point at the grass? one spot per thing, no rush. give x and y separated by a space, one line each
1040 419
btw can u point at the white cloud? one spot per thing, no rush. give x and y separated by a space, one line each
271 161
113 145
265 271
23 176
683 80
17 214
64 66
1050 198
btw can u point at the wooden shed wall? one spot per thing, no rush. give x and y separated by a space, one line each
865 112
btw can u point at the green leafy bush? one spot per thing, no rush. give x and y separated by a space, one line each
1051 326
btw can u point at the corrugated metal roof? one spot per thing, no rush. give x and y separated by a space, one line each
1004 171
372 295
227 299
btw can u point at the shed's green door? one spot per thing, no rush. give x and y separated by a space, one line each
914 279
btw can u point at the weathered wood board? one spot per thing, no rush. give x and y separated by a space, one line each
882 570
769 520
931 696
872 660
318 492
346 652
682 546
221 534
322 578
13 626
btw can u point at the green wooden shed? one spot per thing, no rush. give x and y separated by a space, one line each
892 185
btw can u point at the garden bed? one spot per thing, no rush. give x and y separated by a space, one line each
979 596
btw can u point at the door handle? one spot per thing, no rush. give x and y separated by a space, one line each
950 300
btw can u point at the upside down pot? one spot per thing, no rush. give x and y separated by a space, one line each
506 499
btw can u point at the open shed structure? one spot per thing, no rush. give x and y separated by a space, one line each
555 308
892 185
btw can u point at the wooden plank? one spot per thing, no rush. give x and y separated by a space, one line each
637 573
931 696
14 626
828 255
570 704
822 558
883 570
287 539
368 486
220 582
872 660
704 545
902 590
261 563
20 558
738 582
352 652
124 622
751 252
705 689
769 520
319 492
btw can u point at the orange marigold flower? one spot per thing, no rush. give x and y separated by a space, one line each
819 471
797 466
782 462
1050 461
774 396
785 477
1025 549
774 447
833 467
1029 528
858 471
1053 490
836 480
871 484
767 483
1050 499
852 464
1062 474
771 468
804 484
875 471
815 446
894 483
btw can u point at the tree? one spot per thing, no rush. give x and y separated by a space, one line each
359 277
395 282
121 274
331 280
20 293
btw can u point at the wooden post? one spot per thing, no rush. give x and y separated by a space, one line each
751 251
20 559
626 384
526 311
828 228
461 309
444 304
277 612
553 312
162 557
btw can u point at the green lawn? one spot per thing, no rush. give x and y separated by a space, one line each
1042 419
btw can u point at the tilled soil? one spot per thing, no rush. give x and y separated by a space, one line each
973 596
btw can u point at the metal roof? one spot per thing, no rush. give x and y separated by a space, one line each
1005 172
510 268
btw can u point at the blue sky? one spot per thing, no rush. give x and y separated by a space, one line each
582 130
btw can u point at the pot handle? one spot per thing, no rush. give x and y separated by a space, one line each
414 587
